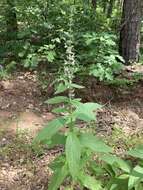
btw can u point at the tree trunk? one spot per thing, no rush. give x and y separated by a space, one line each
105 4
94 4
11 20
129 46
110 8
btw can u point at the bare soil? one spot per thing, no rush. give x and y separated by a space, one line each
23 114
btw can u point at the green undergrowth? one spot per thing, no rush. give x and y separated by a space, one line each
17 145
124 82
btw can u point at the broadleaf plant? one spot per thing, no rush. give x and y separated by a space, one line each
79 145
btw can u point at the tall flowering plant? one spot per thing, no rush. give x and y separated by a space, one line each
78 145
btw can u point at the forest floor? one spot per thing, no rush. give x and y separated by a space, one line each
23 114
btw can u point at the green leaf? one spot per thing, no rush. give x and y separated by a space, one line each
68 188
133 181
115 161
57 163
57 100
89 182
96 168
139 187
124 176
76 102
59 110
137 152
138 171
85 111
50 130
118 184
61 88
58 178
135 177
57 139
110 170
93 143
76 86
120 58
58 40
21 54
51 56
114 187
73 154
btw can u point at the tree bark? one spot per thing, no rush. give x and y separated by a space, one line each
94 3
129 45
11 20
110 8
105 4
